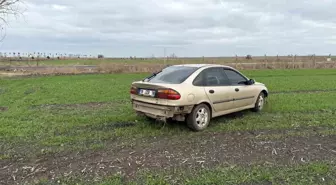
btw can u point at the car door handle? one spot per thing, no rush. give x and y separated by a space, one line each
211 91
236 89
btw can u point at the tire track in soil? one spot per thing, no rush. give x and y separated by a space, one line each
165 153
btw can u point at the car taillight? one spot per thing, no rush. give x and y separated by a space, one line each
133 90
169 94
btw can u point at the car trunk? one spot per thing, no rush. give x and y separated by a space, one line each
149 86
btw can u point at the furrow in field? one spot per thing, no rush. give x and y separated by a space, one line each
205 150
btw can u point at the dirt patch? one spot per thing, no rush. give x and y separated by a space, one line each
150 67
9 74
153 67
196 150
3 109
2 91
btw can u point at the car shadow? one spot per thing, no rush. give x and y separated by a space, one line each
171 124
232 116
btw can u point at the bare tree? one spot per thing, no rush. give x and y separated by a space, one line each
7 8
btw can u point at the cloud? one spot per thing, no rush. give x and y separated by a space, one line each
186 28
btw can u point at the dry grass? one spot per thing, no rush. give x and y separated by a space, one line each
55 71
148 67
94 61
129 68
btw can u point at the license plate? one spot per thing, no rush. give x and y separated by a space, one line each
146 92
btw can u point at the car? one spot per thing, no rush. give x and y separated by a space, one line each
196 93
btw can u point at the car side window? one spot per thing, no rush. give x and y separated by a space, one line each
234 77
212 77
199 80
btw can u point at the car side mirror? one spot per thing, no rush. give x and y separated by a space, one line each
251 82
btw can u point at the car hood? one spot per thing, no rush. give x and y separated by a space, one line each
258 83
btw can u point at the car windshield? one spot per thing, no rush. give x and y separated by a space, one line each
173 75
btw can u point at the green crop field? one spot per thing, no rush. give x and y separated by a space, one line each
81 130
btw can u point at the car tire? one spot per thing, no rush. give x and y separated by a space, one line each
259 104
199 118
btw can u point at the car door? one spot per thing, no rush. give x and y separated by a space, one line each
244 94
217 88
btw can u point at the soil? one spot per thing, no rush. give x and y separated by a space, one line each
199 150
3 109
8 74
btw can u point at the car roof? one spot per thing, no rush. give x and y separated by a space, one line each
203 65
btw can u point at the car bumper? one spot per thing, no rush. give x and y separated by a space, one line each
160 111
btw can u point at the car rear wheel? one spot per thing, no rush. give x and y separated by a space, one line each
199 118
259 105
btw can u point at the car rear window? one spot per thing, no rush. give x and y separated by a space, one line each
173 74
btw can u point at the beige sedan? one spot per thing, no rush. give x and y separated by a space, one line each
195 93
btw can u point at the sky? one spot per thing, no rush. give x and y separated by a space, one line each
188 28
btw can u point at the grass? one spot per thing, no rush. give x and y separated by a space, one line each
66 89
308 174
88 112
38 111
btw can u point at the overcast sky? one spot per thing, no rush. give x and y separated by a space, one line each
184 27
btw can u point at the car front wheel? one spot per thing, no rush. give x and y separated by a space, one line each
199 118
259 105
